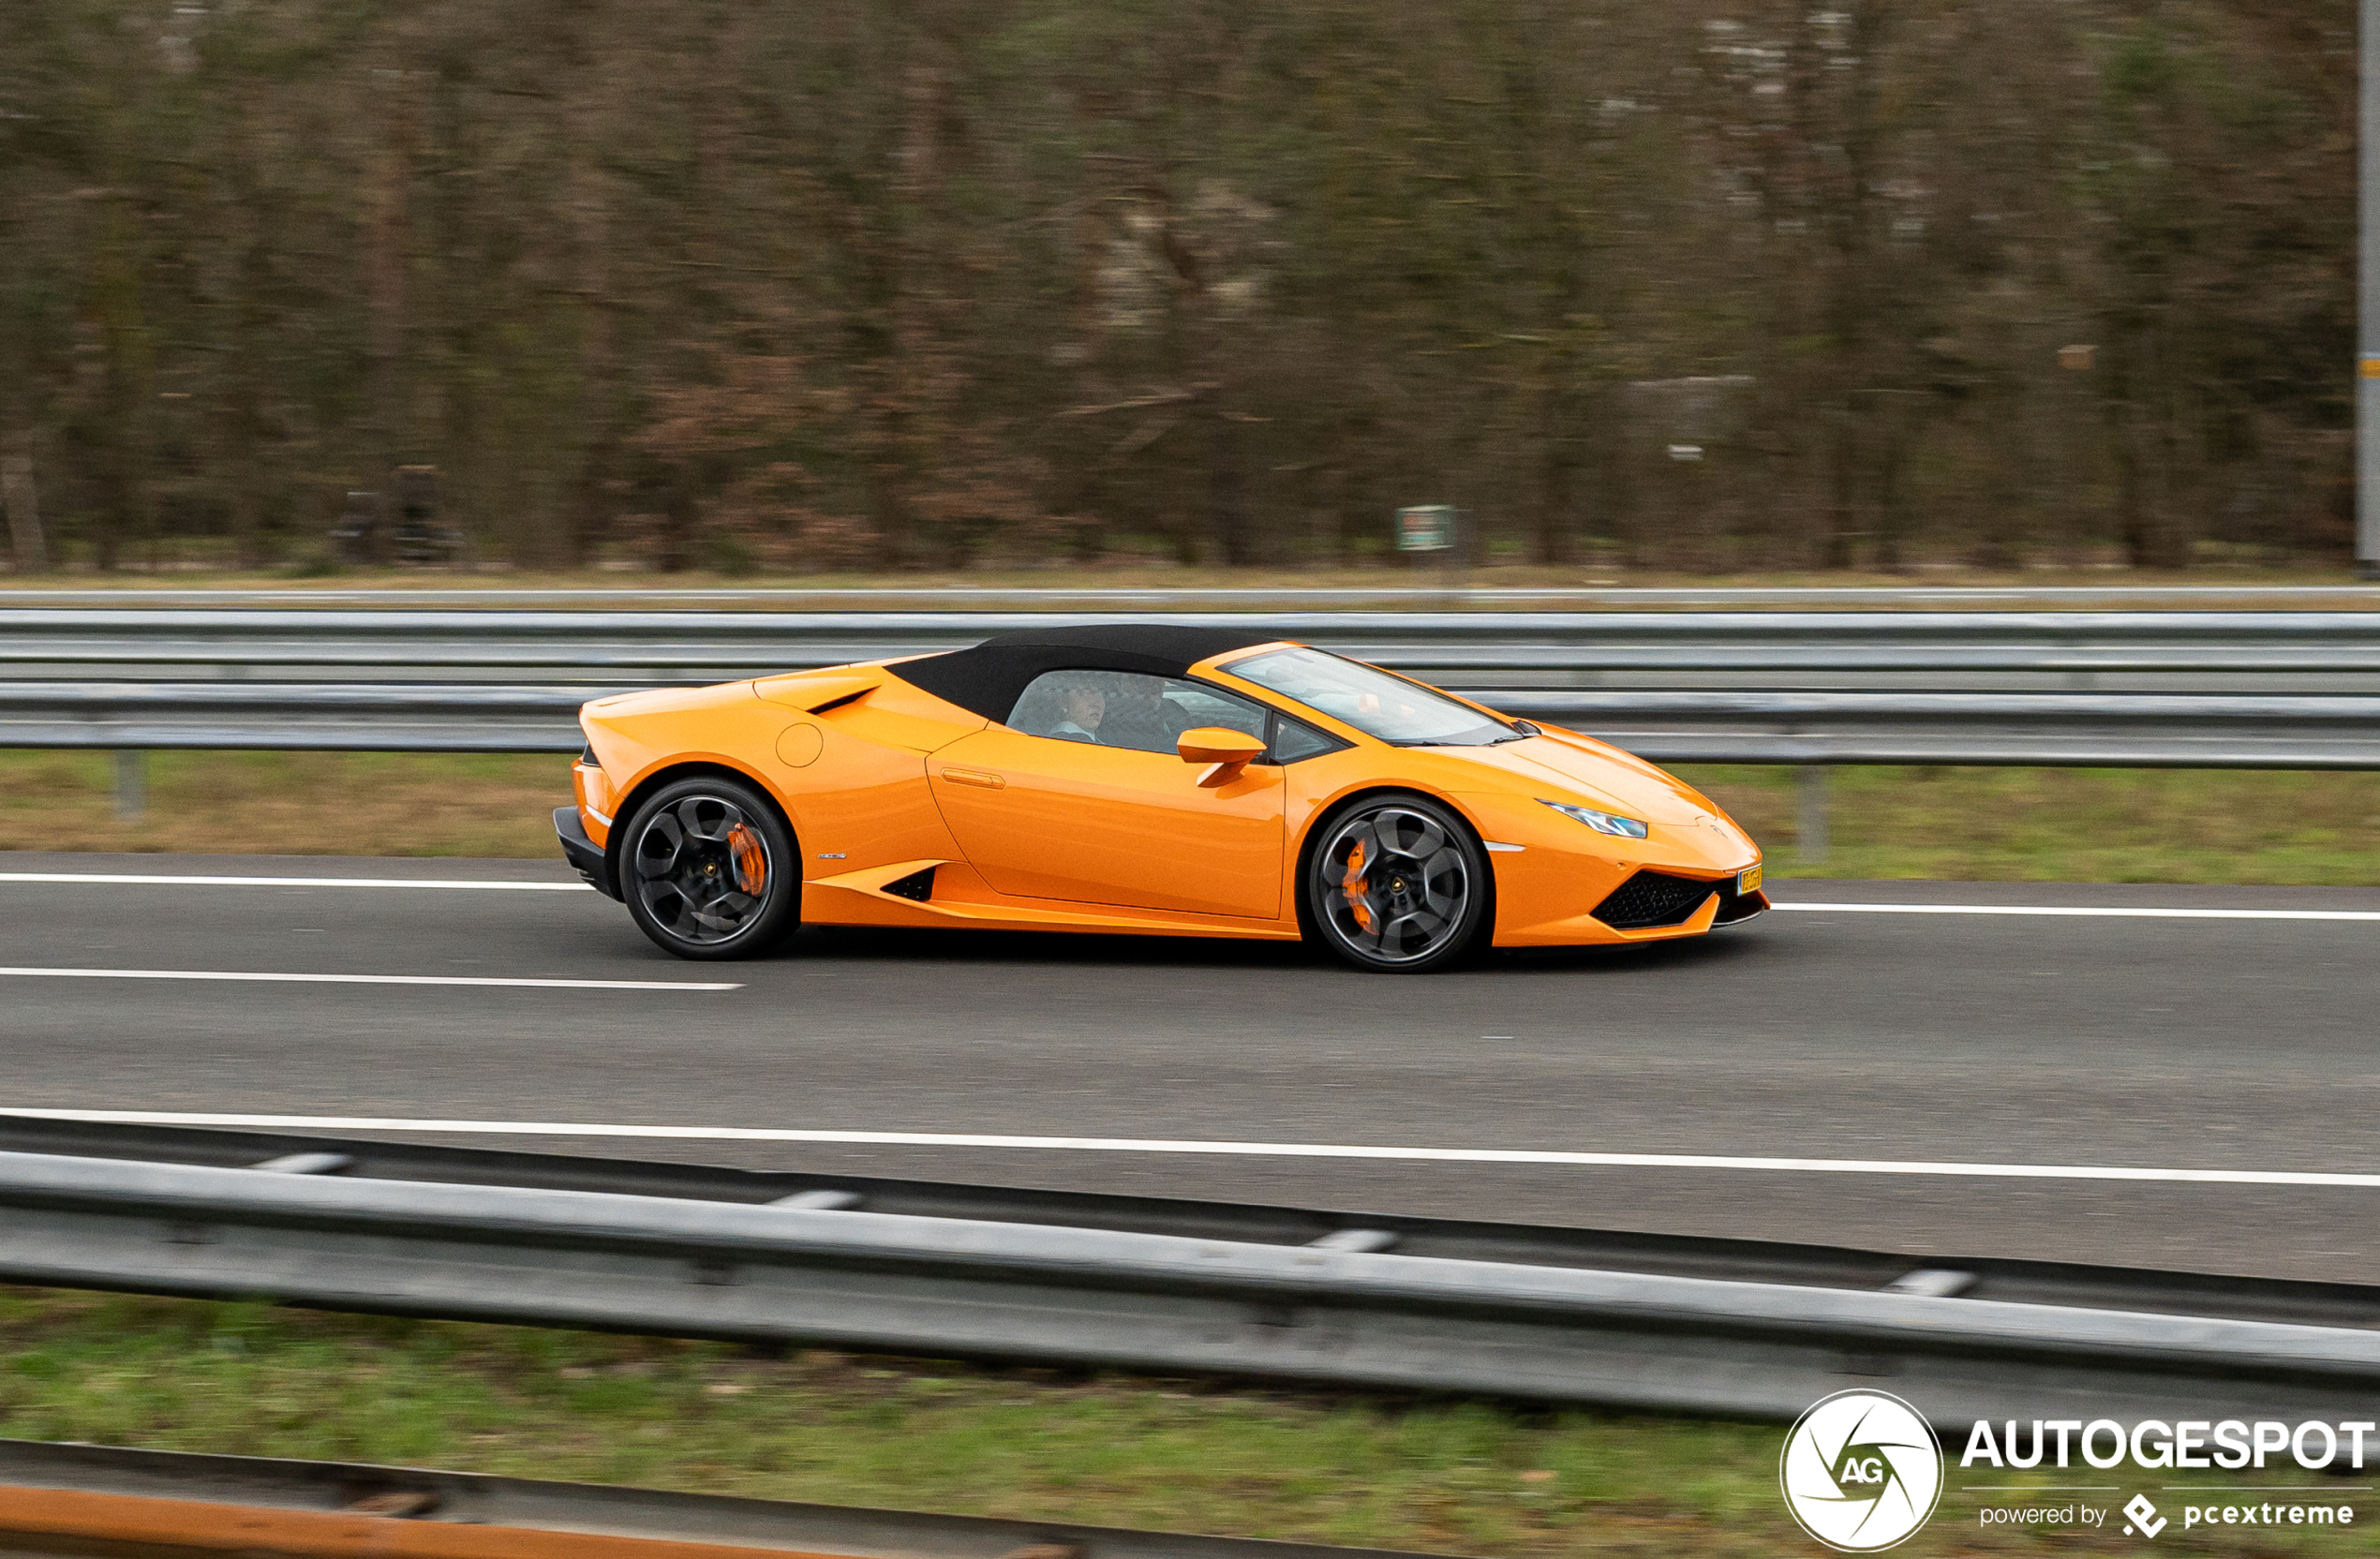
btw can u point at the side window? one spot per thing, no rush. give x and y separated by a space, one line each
1099 708
1292 741
1126 709
1190 706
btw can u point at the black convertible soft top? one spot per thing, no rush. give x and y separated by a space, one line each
988 679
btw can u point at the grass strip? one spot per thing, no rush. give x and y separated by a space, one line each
1977 824
707 1417
2067 824
290 803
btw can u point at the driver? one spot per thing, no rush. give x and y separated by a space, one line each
1085 708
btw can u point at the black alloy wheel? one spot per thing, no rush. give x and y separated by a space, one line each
1398 885
709 869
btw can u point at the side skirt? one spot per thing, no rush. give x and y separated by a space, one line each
859 898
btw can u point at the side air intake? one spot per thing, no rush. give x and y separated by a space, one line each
918 887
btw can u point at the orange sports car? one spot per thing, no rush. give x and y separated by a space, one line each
1165 781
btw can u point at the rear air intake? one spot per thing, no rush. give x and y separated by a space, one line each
838 702
1654 898
918 887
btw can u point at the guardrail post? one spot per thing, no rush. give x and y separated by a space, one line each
2368 302
131 783
1809 841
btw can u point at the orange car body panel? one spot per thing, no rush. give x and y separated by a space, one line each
637 735
1111 826
881 779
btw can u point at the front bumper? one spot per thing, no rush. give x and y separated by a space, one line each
1734 908
582 852
1650 900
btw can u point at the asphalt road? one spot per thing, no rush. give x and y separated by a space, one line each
2046 1042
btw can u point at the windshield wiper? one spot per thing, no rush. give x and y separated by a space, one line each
1450 741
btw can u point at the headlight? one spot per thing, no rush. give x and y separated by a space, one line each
1602 822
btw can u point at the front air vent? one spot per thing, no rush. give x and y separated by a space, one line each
918 887
1654 898
1734 906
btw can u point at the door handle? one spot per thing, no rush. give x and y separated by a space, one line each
975 777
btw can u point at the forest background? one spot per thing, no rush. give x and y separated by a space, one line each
1705 285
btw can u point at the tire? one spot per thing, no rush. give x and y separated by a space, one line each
708 870
1397 884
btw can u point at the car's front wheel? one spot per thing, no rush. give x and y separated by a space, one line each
709 869
1397 883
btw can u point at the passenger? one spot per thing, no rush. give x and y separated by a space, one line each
1135 716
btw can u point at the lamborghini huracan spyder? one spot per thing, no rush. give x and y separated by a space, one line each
1156 779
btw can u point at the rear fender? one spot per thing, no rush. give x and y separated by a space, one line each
686 768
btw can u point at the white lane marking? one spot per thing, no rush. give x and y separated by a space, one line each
1236 1149
240 975
161 880
2142 912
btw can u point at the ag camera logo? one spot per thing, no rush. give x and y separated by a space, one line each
1860 1471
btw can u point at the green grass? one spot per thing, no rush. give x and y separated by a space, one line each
2067 825
2111 825
710 1418
290 803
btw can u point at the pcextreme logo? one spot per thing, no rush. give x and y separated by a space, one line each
1860 1471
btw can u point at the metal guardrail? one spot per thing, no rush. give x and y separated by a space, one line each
414 1158
175 1504
2110 730
2296 690
2068 649
823 1268
292 717
2107 730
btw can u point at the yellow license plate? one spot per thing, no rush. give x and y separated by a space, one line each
1748 879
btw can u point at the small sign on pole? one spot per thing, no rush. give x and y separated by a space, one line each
1426 527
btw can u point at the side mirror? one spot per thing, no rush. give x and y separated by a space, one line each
1229 751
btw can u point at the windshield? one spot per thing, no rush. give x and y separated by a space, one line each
1371 700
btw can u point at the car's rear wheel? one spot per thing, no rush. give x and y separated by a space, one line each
709 870
1397 883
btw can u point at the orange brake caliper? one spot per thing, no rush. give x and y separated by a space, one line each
752 862
1353 883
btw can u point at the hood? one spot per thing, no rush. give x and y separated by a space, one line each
1560 765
